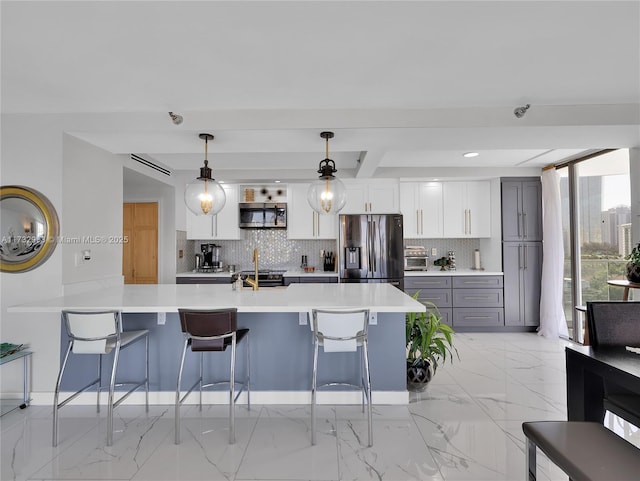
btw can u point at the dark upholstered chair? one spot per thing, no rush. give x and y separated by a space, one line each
210 331
616 323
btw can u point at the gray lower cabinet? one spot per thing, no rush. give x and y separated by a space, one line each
203 280
432 291
478 301
463 301
522 266
311 279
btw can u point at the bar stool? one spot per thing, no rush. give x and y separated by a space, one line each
341 330
100 332
207 331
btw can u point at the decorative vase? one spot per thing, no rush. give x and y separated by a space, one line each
633 272
419 375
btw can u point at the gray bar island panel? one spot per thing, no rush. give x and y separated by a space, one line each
281 355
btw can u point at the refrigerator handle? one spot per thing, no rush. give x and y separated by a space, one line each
374 232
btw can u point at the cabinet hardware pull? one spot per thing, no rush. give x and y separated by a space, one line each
524 225
421 221
518 223
477 317
519 256
417 221
477 298
525 256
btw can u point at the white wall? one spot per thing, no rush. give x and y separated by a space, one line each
84 184
92 202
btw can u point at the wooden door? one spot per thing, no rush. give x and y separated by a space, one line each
140 254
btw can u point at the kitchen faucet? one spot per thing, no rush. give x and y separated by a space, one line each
254 282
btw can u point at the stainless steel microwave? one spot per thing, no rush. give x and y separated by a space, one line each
260 215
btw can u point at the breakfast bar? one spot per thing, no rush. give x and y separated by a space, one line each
281 340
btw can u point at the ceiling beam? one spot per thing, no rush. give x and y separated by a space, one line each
368 163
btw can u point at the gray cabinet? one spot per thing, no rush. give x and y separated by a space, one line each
311 279
478 301
203 280
522 266
521 209
463 301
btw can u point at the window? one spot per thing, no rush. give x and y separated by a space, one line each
596 209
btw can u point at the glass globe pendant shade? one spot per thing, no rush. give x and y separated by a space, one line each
327 195
204 197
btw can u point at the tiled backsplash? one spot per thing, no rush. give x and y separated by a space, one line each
276 250
279 252
462 247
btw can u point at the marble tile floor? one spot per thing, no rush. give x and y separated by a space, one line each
465 426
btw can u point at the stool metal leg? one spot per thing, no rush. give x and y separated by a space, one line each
314 379
99 387
232 400
530 455
178 402
365 349
112 384
57 394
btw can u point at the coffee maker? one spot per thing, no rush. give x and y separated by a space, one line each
210 258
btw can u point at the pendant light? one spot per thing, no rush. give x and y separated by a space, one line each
327 195
205 196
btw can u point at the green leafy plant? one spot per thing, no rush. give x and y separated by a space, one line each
428 338
634 255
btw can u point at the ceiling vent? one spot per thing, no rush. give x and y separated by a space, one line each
151 165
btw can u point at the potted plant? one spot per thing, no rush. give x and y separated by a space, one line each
633 266
429 343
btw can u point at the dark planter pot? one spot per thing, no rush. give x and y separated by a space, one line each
633 272
418 376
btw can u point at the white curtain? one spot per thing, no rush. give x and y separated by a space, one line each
553 323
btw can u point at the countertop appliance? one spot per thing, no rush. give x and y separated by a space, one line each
261 215
266 278
371 249
416 258
210 258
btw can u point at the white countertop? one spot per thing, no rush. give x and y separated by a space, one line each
457 272
170 297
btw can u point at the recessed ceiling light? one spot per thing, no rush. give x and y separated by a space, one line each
277 181
470 154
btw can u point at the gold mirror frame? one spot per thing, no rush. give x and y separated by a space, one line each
32 248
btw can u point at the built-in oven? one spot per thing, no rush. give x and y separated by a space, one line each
263 215
416 258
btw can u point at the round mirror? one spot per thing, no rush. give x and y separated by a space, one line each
28 228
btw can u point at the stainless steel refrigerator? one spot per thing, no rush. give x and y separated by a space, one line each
371 248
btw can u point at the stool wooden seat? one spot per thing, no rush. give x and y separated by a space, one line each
585 451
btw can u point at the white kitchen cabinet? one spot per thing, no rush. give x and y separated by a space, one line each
467 209
371 197
422 211
224 225
302 221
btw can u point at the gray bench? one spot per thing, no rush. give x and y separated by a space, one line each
584 451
